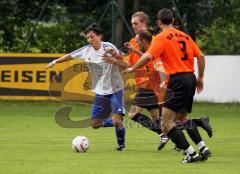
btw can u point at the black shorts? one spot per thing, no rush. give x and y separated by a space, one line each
182 86
146 98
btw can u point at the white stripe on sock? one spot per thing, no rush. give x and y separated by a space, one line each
201 144
189 150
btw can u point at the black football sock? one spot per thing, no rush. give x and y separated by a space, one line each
147 123
193 132
178 138
198 122
120 134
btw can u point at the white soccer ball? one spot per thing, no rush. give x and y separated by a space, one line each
80 144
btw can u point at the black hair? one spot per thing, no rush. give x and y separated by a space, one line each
94 27
165 15
146 35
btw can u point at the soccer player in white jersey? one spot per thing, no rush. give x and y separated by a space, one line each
107 83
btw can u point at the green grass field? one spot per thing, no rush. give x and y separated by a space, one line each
32 142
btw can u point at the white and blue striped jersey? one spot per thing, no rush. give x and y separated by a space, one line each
106 78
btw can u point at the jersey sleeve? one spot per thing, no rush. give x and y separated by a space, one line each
156 48
196 50
110 45
79 53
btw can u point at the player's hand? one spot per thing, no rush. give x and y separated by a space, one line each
163 85
200 85
129 70
129 46
108 56
108 59
51 64
110 52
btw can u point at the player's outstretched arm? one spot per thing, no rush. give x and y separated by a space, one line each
64 58
145 58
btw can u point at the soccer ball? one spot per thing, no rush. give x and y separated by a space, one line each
80 144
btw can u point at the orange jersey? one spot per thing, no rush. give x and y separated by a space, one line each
142 74
176 50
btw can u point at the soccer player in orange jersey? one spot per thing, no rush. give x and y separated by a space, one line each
148 94
139 21
177 50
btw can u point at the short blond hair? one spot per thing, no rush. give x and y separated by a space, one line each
143 17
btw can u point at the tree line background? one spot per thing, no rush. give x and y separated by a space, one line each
214 24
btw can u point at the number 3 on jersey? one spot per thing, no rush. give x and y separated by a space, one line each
183 49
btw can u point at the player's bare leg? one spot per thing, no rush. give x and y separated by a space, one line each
96 123
154 114
134 110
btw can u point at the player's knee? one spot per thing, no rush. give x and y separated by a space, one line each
167 125
134 111
131 114
155 117
117 120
